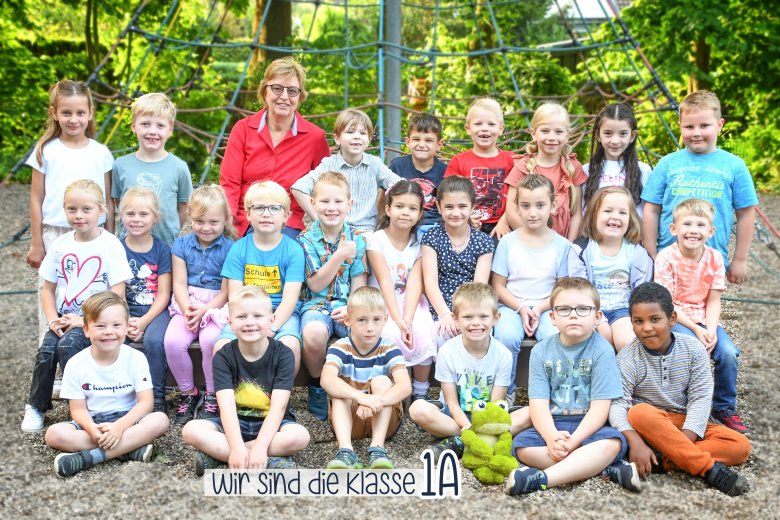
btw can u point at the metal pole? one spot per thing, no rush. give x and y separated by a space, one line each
392 74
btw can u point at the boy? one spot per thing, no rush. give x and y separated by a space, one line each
153 167
335 265
695 275
110 392
422 166
367 382
667 389
705 171
253 378
367 175
572 380
471 367
270 259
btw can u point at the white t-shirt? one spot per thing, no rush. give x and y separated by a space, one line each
110 388
473 377
612 275
613 175
62 166
81 269
399 263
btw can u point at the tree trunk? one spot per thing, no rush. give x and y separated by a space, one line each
701 58
276 30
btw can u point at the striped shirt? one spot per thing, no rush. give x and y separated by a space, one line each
357 369
679 381
365 179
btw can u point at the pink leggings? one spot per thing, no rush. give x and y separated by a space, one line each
178 339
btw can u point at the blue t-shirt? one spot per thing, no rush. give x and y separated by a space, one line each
204 267
267 269
570 377
428 181
141 289
719 177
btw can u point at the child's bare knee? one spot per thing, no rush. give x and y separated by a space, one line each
380 384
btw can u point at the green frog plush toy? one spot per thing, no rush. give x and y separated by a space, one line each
488 442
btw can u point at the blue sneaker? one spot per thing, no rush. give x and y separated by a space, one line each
280 463
345 459
624 473
378 458
525 480
318 403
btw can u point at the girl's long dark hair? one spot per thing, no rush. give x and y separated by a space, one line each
617 112
403 187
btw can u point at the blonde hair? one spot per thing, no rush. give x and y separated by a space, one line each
94 306
575 283
266 190
366 297
485 103
283 67
474 294
350 119
700 100
333 179
64 88
206 197
554 112
154 104
86 186
140 194
251 291
589 229
696 207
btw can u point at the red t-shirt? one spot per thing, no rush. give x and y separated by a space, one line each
488 175
250 157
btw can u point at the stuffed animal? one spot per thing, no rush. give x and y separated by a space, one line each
488 442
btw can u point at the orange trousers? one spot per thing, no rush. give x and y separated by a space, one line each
663 431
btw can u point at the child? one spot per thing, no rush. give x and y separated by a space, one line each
394 257
422 166
704 171
270 259
471 367
695 275
110 396
549 154
198 309
366 380
253 378
65 153
613 156
335 266
85 261
367 175
573 379
527 263
148 292
609 254
153 167
453 253
485 165
667 391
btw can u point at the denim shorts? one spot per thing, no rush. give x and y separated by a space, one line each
334 328
250 428
615 314
291 327
106 417
530 438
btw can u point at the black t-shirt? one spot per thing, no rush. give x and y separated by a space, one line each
429 182
254 381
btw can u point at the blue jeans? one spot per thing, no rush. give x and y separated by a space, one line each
334 327
726 357
509 331
53 349
154 350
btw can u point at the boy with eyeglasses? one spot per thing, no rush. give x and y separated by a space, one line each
573 377
269 259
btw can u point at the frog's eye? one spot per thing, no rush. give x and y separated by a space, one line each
503 405
479 406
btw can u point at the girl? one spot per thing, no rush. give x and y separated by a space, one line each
609 255
148 293
65 153
199 301
549 154
393 255
613 157
78 264
527 264
453 253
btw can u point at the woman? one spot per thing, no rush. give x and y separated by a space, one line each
274 144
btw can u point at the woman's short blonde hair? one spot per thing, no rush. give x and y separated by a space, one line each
283 67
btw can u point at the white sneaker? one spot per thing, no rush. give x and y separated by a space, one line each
33 419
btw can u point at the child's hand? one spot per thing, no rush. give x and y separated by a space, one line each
446 326
58 326
35 256
193 317
644 458
364 412
530 320
135 329
712 337
258 458
466 427
71 321
501 229
406 333
474 219
339 315
347 249
238 458
372 402
112 434
737 272
704 337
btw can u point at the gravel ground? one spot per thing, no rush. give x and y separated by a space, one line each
167 488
